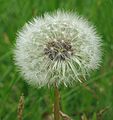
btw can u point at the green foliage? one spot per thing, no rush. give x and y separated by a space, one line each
93 100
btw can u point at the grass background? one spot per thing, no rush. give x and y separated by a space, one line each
94 101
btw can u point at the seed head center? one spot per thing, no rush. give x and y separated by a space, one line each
58 50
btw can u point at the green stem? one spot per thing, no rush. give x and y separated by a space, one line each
56 103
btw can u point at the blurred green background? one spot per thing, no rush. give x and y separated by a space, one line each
92 101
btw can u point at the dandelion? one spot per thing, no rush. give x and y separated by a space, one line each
58 48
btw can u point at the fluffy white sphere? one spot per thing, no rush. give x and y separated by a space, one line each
57 48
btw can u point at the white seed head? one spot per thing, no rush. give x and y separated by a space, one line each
60 47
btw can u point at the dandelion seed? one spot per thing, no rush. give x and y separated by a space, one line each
58 48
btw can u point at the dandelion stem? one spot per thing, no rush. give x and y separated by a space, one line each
56 103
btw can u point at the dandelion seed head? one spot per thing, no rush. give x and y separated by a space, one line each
59 47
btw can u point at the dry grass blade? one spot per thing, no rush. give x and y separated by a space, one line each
21 107
84 117
64 116
101 112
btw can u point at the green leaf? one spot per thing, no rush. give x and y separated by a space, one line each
94 116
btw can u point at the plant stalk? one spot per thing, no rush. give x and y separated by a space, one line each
21 107
56 103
